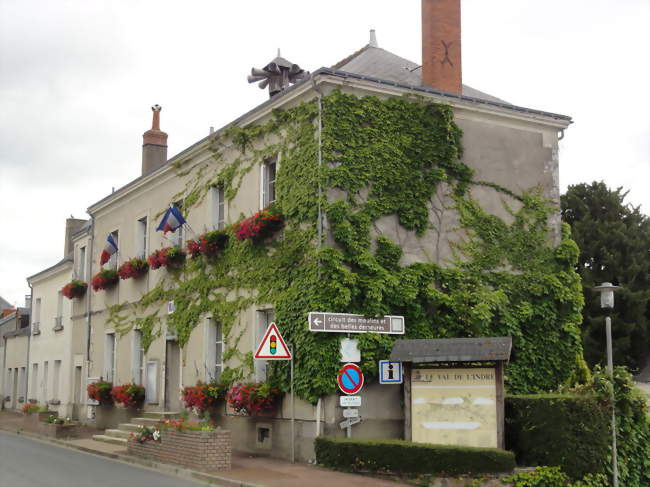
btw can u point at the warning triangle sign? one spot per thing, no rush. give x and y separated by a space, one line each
272 346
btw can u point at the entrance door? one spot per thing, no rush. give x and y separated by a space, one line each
14 394
172 377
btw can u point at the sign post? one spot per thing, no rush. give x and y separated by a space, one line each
273 347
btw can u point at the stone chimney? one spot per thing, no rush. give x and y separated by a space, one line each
72 226
154 144
441 49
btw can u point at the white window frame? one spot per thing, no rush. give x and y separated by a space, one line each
268 193
56 380
81 265
141 237
264 318
110 349
214 350
138 358
218 208
34 389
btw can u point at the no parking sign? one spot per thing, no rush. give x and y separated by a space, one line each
350 379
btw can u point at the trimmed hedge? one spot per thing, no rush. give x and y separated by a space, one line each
568 431
407 457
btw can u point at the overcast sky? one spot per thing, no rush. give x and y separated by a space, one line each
78 77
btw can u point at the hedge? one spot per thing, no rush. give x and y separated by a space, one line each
406 457
569 431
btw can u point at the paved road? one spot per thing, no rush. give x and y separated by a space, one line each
29 463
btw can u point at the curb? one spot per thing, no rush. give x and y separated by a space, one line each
166 468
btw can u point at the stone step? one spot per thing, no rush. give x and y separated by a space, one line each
110 439
128 427
161 414
118 434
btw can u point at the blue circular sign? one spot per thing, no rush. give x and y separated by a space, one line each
350 379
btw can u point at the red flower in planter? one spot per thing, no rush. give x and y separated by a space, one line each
259 226
133 268
209 244
168 256
203 396
130 395
100 391
253 399
105 279
74 289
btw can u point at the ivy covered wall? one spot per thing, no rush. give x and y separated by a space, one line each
380 157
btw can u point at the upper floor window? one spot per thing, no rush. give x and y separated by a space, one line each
81 264
268 181
218 208
177 236
141 238
264 318
112 263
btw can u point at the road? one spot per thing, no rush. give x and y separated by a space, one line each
29 463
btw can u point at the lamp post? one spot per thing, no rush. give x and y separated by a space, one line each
606 290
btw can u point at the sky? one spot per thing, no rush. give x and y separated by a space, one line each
78 78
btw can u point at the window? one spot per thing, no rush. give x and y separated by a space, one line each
44 388
214 350
109 357
58 319
268 181
55 379
36 323
264 319
22 385
35 381
177 236
81 265
218 208
112 262
138 358
141 238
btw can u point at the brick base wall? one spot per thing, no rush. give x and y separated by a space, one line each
201 450
59 430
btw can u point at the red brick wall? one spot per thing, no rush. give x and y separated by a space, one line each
201 450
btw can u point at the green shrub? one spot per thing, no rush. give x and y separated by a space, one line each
554 477
406 457
569 431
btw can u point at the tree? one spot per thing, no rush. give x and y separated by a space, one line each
614 241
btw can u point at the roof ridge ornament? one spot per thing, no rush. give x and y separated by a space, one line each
277 75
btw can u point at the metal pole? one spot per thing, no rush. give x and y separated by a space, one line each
293 415
610 368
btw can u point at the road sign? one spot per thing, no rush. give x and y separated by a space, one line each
349 422
272 346
350 413
350 401
350 379
390 372
348 323
350 350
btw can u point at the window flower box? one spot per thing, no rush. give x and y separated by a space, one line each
208 244
254 399
74 289
133 268
55 427
261 225
166 257
129 395
204 396
100 391
105 279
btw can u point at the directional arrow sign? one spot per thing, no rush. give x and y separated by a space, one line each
272 346
349 422
349 323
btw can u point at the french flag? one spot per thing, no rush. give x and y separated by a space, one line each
171 220
109 249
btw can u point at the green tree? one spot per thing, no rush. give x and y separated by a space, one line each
614 241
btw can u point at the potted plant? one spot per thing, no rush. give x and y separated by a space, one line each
74 289
261 225
254 399
203 396
56 427
105 279
100 391
165 257
133 268
208 244
129 395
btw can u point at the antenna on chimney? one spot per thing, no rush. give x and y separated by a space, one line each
277 75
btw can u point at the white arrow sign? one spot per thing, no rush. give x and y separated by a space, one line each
349 422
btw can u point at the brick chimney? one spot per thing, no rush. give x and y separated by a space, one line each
154 144
441 52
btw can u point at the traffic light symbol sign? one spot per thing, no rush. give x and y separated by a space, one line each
273 345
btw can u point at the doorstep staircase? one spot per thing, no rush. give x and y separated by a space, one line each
121 434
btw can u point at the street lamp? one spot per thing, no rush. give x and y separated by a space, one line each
606 290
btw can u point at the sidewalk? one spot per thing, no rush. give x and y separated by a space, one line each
247 470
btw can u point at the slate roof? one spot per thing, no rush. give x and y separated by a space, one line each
376 62
4 304
486 349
